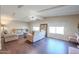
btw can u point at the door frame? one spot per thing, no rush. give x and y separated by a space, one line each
46 29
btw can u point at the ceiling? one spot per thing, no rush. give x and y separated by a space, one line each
25 12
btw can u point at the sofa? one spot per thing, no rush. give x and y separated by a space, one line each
35 36
9 37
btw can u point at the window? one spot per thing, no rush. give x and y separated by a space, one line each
60 30
56 30
51 29
35 28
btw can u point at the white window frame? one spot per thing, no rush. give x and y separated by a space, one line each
56 30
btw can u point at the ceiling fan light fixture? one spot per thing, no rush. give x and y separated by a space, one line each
33 18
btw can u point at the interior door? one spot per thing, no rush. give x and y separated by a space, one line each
43 27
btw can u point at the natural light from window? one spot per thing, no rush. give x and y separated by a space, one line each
35 28
56 30
51 29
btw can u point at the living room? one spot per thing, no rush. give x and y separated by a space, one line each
38 24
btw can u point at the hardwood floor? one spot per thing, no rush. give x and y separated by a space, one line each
44 46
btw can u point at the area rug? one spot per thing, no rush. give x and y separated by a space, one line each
73 50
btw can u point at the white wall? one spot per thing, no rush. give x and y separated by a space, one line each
0 38
16 25
70 24
0 30
0 43
0 34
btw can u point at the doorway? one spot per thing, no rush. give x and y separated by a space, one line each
43 27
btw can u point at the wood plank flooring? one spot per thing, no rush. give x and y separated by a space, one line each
44 46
